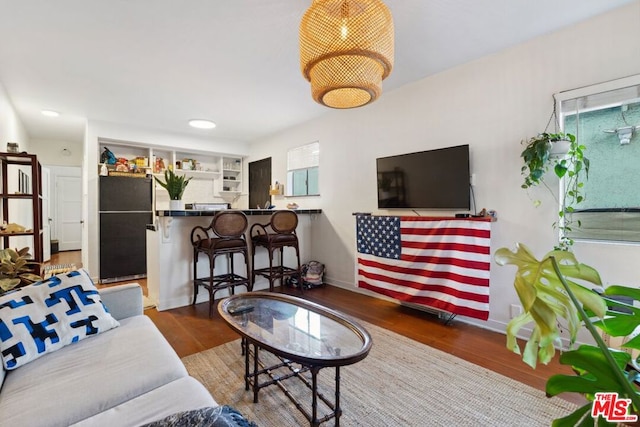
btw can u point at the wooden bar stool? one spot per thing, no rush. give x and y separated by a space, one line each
224 236
279 233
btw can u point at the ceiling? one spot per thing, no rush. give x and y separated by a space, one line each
159 63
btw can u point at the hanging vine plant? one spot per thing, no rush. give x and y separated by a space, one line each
541 154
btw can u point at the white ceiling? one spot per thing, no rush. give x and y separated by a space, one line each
159 63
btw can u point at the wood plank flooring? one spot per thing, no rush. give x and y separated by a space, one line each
190 330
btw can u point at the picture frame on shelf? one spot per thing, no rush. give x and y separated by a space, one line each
23 183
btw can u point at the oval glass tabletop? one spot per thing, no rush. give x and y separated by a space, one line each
297 329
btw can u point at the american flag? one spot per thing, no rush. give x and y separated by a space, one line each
440 263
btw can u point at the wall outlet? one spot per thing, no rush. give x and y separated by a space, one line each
472 179
515 310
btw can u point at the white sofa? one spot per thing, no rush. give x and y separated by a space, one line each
126 376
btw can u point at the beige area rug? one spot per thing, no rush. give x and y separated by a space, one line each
401 383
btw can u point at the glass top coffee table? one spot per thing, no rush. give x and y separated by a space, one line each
305 337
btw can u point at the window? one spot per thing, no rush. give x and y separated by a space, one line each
606 119
302 170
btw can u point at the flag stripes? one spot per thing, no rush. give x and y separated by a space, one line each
439 262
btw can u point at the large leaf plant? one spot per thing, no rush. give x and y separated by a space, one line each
559 287
16 268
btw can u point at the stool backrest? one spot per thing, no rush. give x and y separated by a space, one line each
284 222
230 223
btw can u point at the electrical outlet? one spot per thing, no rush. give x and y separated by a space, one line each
472 180
515 310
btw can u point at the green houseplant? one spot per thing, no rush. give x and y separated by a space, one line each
16 269
539 156
558 287
174 184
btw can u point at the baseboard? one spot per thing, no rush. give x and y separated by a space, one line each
491 325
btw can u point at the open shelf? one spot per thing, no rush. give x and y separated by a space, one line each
229 196
16 196
30 185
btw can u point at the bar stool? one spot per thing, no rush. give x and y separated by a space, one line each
224 236
279 233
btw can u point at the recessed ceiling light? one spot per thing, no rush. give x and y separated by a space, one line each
50 113
202 124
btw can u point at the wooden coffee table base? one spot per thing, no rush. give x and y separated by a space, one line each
297 338
252 382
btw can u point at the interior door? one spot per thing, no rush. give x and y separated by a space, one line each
259 182
46 214
69 212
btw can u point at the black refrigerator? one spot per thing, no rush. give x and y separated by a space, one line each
126 207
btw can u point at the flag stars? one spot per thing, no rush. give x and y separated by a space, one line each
379 235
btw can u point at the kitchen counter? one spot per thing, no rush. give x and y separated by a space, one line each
170 254
248 212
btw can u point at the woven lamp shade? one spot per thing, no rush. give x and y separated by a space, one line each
346 50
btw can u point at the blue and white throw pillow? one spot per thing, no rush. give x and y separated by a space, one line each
48 315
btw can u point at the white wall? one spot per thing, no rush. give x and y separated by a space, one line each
97 131
12 130
51 152
491 104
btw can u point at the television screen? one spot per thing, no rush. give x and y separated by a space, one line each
434 179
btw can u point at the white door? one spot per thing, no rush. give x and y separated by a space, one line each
46 214
69 212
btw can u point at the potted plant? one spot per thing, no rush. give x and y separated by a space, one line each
16 269
549 289
175 186
540 154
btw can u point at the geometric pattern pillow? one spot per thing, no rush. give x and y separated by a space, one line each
48 315
220 416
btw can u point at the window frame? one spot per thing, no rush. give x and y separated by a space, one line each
301 161
586 92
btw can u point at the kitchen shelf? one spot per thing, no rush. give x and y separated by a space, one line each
212 168
199 174
229 196
192 173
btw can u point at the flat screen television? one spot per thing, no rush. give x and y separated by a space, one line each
434 179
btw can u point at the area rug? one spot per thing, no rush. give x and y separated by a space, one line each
401 383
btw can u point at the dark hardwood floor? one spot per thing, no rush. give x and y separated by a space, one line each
190 330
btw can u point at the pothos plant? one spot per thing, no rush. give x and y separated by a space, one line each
559 287
538 157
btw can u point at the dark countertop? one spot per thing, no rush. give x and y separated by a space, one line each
248 212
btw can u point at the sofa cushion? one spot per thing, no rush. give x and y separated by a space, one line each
182 394
48 315
89 377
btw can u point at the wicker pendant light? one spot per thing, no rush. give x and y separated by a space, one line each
346 50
